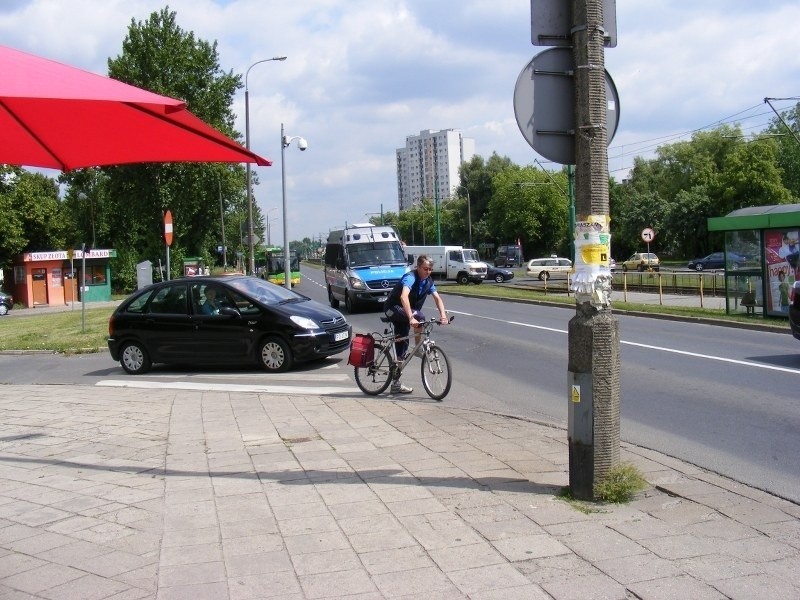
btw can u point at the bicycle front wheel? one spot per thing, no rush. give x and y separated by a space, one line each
375 378
436 375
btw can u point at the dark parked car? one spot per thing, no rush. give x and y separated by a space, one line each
716 260
498 274
245 320
6 303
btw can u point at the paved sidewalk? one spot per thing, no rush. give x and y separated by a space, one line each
115 494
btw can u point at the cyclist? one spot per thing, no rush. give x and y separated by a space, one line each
403 308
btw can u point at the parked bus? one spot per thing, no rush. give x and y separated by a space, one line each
274 269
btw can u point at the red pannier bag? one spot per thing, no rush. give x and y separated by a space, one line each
362 350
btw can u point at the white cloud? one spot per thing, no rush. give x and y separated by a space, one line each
361 75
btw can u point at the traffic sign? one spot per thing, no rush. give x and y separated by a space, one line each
168 228
551 23
546 87
648 234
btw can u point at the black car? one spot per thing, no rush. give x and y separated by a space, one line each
498 274
246 320
6 303
716 260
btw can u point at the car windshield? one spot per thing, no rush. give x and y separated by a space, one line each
266 292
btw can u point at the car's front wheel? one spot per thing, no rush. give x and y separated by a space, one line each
698 267
274 355
625 268
463 279
3 310
134 358
544 276
499 278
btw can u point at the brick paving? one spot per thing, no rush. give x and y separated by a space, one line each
119 494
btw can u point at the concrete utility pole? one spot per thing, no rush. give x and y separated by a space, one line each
594 358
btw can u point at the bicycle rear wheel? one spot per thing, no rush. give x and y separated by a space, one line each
375 378
436 375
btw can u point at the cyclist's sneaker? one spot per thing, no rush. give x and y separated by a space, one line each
399 388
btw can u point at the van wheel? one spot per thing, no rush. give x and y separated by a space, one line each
544 276
334 302
349 303
462 279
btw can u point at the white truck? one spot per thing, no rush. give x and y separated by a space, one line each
451 262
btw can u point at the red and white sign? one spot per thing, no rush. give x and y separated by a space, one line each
168 227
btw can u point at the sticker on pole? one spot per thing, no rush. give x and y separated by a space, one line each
648 235
576 393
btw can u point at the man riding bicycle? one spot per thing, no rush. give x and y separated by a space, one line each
403 308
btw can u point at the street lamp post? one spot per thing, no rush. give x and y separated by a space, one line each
83 197
269 229
250 232
302 144
222 225
469 214
266 218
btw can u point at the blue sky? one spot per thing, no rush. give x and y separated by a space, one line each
361 75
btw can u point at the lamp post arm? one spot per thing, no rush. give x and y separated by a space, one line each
250 231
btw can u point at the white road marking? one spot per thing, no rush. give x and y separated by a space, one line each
267 376
230 387
733 361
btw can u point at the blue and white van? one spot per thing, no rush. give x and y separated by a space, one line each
363 263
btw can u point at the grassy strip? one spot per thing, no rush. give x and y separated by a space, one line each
57 332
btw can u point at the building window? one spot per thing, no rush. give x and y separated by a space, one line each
95 275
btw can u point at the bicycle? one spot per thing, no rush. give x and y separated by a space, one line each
437 378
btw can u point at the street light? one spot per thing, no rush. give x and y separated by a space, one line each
269 230
469 213
82 197
267 219
418 204
302 144
222 226
250 233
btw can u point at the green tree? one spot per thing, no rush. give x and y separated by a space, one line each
12 224
788 148
160 56
531 206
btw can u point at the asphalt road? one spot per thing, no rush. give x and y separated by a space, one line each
718 397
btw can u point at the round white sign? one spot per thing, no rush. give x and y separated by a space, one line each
648 234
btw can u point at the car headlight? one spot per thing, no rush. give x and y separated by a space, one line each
357 284
304 322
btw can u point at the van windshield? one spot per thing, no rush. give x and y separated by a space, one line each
374 254
471 256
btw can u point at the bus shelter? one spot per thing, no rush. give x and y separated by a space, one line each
768 238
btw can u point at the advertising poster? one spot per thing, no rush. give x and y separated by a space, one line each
782 251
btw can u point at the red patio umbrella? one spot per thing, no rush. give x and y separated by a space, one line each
53 115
